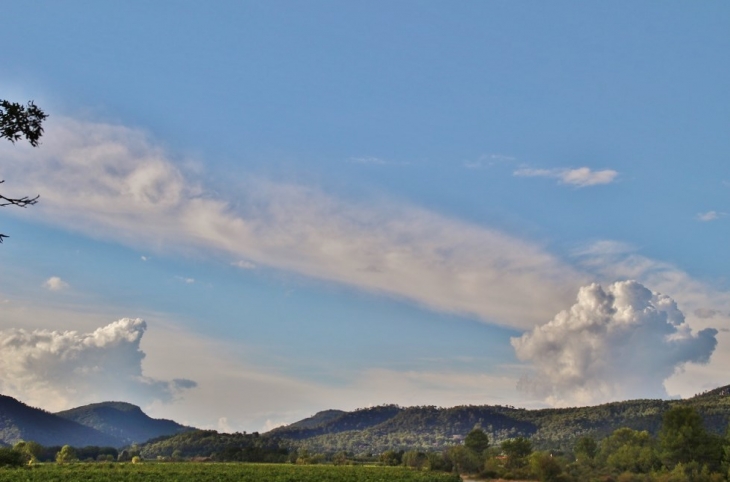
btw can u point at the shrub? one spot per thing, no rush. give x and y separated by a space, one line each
11 457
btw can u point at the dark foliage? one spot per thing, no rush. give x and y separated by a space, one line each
19 121
11 457
239 447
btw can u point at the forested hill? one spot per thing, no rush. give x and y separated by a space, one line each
124 421
107 424
18 422
391 427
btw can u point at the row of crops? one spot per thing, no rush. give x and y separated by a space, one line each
217 472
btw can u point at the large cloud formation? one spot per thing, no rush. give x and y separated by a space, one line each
58 370
617 343
113 182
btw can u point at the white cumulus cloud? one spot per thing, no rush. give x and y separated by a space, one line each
580 177
61 369
609 260
54 283
621 342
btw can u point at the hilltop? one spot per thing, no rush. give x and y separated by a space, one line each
19 421
124 421
107 424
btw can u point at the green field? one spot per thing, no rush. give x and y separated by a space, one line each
218 472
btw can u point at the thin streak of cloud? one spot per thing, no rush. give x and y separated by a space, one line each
368 160
580 177
243 264
488 160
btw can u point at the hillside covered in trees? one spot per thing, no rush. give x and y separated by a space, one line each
19 422
112 424
427 427
124 421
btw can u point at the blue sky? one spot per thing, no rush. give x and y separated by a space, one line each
327 205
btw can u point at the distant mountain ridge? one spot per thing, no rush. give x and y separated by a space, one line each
390 427
18 422
106 424
123 421
426 427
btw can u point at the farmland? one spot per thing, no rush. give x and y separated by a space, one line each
218 472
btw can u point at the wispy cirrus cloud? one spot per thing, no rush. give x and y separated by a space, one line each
580 177
376 161
244 264
368 160
488 160
114 182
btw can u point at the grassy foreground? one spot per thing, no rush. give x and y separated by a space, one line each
217 472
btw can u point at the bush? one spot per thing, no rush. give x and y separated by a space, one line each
66 455
545 466
11 457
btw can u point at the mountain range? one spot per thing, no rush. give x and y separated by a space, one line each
367 430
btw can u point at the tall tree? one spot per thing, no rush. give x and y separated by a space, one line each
726 452
477 440
585 449
66 455
517 450
18 121
684 439
628 450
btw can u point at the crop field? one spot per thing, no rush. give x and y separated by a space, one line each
217 472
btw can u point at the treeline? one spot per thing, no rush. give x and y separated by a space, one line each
682 451
223 447
28 453
199 445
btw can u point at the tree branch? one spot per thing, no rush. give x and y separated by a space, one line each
19 121
17 201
